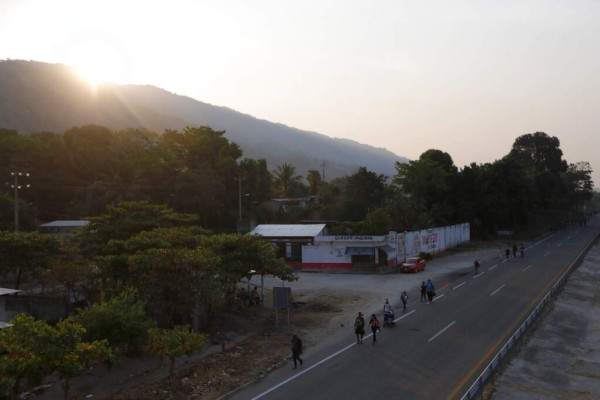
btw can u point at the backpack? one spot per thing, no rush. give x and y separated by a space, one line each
359 323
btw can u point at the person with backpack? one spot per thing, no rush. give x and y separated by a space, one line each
296 350
359 328
430 290
374 324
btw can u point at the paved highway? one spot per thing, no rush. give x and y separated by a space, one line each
437 349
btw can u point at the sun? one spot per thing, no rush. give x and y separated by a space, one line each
97 63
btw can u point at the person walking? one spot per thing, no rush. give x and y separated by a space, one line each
404 298
430 290
514 250
359 327
388 313
296 350
254 297
522 250
507 252
423 291
374 324
476 265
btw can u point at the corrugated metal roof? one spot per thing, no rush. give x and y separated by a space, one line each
4 291
65 224
289 230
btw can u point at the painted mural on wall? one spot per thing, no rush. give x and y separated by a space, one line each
431 241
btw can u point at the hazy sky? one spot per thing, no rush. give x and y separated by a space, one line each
465 77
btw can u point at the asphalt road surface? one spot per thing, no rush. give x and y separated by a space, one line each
437 349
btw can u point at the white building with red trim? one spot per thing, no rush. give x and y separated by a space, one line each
308 246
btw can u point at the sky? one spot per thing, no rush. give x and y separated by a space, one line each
464 77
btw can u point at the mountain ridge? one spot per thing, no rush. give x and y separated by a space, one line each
36 96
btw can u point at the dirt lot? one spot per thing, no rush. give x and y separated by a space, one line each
256 347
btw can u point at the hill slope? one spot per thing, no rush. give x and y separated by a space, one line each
37 96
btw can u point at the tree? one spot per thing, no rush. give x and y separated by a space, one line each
27 254
121 321
85 151
121 222
173 282
174 343
285 178
377 222
206 182
538 153
256 179
69 354
427 184
31 349
314 180
22 353
579 183
240 253
364 190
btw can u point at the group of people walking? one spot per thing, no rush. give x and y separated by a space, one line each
360 324
427 291
515 249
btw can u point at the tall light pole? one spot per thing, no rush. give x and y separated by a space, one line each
240 179
17 187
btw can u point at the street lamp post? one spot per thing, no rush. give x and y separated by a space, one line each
17 187
240 179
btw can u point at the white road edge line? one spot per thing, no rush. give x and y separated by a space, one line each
437 298
442 331
527 268
479 274
492 267
546 254
291 378
497 290
457 286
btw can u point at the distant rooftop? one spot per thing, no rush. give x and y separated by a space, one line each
4 291
65 224
289 230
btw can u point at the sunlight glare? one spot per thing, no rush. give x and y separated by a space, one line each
97 63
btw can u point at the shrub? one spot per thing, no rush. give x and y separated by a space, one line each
122 321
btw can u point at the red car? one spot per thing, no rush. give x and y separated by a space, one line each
413 264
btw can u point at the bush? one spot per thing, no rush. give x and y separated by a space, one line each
122 321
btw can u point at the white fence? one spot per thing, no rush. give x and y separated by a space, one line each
431 241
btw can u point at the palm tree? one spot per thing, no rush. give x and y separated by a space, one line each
285 177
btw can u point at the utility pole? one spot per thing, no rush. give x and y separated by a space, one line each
323 165
240 179
17 187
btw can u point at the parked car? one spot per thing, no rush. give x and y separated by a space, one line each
413 264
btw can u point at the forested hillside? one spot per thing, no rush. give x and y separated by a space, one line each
41 97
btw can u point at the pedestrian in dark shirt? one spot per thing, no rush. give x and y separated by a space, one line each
404 298
296 350
359 327
423 291
374 324
476 265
